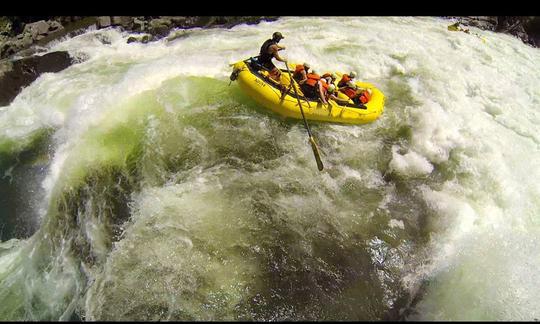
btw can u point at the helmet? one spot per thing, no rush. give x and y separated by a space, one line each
334 76
331 88
352 74
306 65
277 36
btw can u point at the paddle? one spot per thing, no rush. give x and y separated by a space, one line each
311 140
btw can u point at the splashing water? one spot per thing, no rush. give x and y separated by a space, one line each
155 191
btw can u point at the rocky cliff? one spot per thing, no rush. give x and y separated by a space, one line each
526 28
19 33
19 36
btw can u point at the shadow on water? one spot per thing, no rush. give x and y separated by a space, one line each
21 175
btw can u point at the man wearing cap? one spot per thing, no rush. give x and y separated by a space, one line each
269 50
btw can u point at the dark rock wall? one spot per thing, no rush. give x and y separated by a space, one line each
526 28
20 32
21 73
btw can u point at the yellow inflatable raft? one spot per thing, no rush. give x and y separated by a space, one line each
254 81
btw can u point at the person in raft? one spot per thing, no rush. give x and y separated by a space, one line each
300 73
269 50
357 95
331 93
313 87
457 27
330 78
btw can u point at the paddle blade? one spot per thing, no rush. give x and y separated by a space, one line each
316 153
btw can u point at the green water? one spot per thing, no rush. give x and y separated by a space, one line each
140 185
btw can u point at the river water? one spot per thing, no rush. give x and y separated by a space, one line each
139 185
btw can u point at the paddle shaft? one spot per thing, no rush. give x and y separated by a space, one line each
311 140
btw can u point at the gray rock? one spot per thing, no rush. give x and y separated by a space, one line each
103 21
177 34
25 71
140 39
116 20
54 26
159 27
37 28
124 21
139 25
26 41
160 22
28 30
176 20
146 38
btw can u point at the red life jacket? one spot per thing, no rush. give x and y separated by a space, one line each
344 80
365 97
312 79
350 92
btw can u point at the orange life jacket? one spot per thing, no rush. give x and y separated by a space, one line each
324 84
344 80
297 75
312 79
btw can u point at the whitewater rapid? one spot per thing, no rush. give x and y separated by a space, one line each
161 192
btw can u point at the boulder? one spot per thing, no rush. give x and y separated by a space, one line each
177 34
37 28
116 20
140 39
177 20
26 41
103 21
54 26
21 73
160 22
124 21
139 25
159 27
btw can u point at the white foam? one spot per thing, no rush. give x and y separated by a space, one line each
409 164
475 108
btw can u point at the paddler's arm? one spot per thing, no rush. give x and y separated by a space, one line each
339 100
321 94
304 77
274 49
